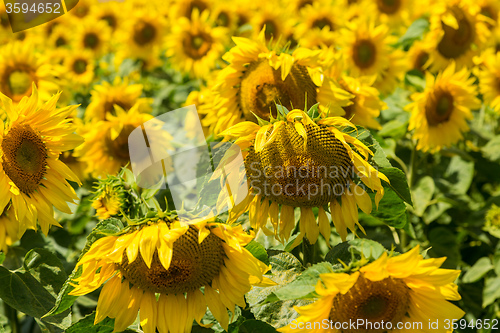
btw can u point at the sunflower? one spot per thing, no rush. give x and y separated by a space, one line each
185 8
194 47
31 175
20 67
79 68
318 23
457 33
82 9
491 10
366 47
109 12
295 161
258 78
404 290
93 35
489 81
274 20
109 199
397 14
120 92
60 37
390 77
143 32
439 113
106 147
366 102
225 15
418 57
163 282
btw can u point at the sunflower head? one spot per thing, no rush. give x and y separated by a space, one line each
31 174
259 77
195 46
397 290
159 264
301 159
111 197
20 67
458 33
440 112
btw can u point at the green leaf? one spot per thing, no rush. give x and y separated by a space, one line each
2 257
391 210
398 183
33 288
444 243
86 325
459 175
250 326
285 268
64 301
492 149
478 270
304 285
339 252
258 251
416 31
394 129
422 194
491 291
416 79
371 140
368 248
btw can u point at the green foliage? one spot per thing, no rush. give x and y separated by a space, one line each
86 325
415 32
33 288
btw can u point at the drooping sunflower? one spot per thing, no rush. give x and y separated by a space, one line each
120 92
457 33
440 112
257 79
93 35
106 147
366 47
79 68
32 177
489 81
20 67
295 161
158 268
404 290
194 46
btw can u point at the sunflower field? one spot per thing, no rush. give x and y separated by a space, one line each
349 181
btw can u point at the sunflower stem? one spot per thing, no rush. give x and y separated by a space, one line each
11 315
411 169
